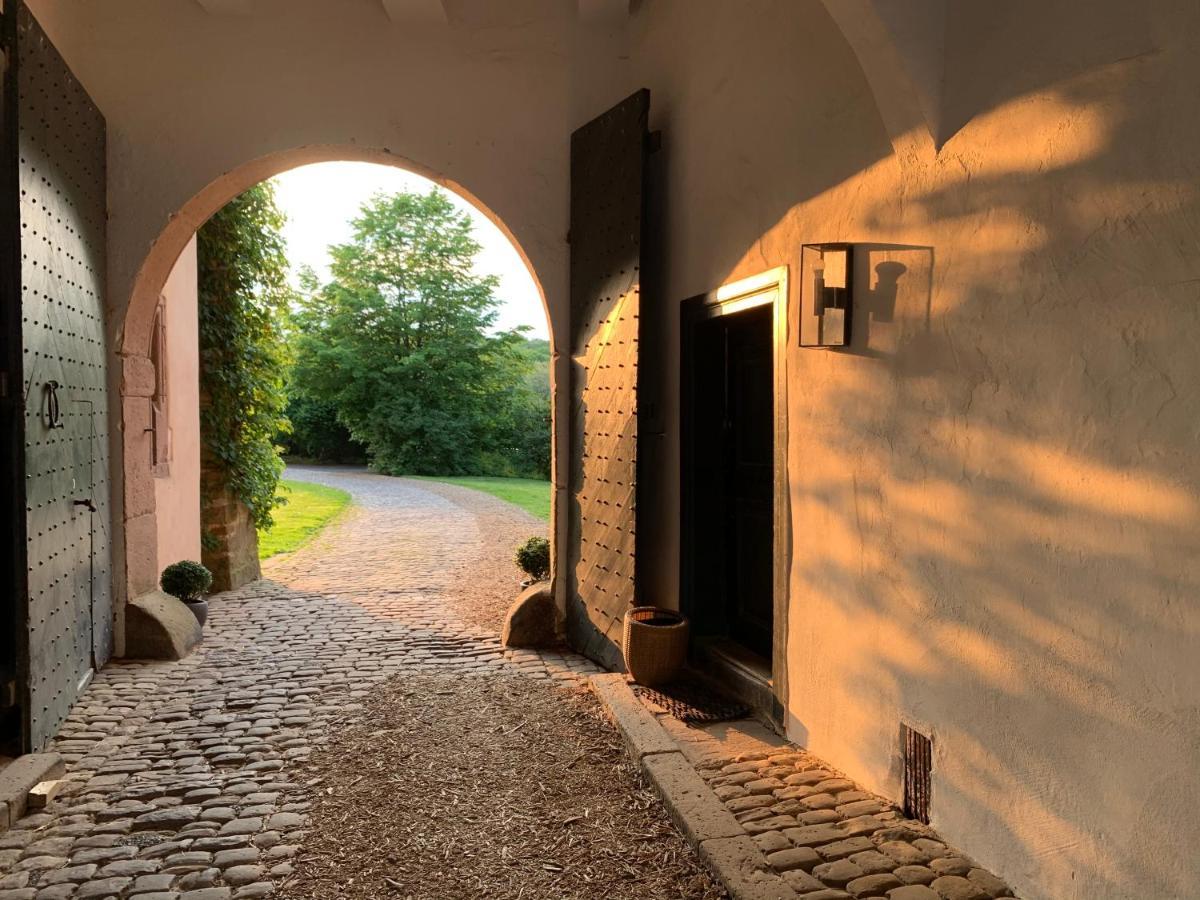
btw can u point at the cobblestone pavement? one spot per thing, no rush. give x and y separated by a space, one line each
829 839
178 783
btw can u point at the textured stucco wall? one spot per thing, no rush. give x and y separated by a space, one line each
177 494
995 493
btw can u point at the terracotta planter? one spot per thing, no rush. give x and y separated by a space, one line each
656 644
199 609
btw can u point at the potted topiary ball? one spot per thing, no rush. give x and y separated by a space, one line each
188 581
533 557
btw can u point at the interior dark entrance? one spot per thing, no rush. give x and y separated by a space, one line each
729 471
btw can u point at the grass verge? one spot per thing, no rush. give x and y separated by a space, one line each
530 494
309 508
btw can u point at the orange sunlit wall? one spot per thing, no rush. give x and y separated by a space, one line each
994 491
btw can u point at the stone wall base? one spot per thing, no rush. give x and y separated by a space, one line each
228 528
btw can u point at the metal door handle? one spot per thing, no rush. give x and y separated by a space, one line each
53 410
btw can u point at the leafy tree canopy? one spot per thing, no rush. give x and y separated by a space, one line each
401 344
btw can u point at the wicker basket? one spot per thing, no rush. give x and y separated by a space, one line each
656 643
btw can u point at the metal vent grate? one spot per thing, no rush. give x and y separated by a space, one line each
918 773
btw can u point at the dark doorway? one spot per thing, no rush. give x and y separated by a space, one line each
729 470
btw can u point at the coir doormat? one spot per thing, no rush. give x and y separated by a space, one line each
695 702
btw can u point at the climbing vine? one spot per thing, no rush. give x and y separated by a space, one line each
243 353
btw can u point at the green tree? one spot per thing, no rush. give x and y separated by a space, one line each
316 433
521 421
401 343
244 298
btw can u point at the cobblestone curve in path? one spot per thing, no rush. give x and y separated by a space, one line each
178 781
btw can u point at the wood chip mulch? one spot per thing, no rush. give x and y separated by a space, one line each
500 787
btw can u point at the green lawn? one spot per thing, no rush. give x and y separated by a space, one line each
309 508
531 495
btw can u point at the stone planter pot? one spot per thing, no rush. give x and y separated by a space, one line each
656 644
199 609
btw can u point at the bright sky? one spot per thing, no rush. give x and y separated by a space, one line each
321 199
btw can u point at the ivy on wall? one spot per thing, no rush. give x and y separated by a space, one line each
243 306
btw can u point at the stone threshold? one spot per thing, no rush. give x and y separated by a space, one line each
18 779
774 822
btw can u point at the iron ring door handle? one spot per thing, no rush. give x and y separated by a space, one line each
53 409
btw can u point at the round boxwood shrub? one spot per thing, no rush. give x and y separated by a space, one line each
186 580
533 557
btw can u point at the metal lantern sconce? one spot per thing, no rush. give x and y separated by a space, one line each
826 294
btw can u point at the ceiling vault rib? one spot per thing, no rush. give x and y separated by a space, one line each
604 12
226 7
416 12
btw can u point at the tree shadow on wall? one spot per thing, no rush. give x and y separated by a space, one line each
1004 475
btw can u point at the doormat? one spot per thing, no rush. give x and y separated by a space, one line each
694 702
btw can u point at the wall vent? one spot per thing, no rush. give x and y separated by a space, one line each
918 773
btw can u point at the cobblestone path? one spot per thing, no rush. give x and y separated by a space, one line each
178 784
830 839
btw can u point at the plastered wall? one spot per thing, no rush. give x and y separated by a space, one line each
994 492
177 489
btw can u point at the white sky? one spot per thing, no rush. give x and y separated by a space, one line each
321 199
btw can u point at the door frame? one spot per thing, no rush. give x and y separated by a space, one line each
766 288
14 650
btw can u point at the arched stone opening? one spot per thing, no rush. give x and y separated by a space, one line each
138 525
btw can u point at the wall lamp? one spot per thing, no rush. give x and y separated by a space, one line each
826 294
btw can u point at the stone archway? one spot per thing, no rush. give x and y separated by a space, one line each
136 545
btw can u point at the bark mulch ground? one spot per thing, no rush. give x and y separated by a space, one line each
457 787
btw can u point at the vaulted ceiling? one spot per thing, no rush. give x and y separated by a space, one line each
467 13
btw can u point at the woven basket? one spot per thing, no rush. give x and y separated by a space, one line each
656 643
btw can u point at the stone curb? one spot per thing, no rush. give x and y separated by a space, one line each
19 777
691 803
720 840
640 730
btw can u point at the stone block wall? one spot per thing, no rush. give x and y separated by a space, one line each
229 530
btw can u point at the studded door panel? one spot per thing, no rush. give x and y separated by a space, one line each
607 172
61 146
